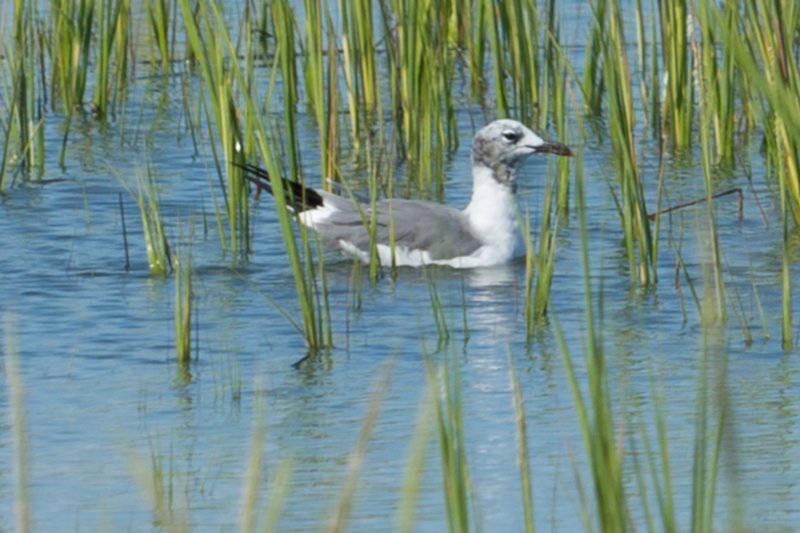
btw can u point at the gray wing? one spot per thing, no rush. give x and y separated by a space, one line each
440 230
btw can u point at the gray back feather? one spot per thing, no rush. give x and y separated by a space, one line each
417 225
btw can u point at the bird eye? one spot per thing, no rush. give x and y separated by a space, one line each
511 136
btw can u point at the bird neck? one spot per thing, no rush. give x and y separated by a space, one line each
492 212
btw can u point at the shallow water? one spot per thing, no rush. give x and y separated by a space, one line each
105 400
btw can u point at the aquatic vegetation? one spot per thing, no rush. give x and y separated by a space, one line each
213 49
762 46
420 69
513 30
523 461
71 48
184 297
161 18
158 250
641 248
23 137
19 428
114 40
452 444
678 105
359 65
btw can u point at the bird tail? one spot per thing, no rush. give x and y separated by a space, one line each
298 197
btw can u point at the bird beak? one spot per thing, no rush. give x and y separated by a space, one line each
553 147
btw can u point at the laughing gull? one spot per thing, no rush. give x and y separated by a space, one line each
485 233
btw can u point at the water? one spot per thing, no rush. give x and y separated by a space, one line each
106 404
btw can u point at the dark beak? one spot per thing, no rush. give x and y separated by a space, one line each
553 147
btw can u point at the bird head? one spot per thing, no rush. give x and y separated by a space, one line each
507 143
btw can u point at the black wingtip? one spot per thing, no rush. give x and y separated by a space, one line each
298 197
256 175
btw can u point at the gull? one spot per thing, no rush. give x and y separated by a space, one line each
417 233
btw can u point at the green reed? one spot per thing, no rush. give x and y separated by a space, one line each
70 49
113 42
647 51
356 460
707 92
254 471
523 460
514 43
540 263
594 407
439 312
215 55
593 83
762 46
23 122
310 282
718 76
452 443
421 67
406 509
284 24
19 426
641 247
555 108
594 410
160 15
158 479
709 426
72 26
359 65
158 250
184 298
677 109
321 89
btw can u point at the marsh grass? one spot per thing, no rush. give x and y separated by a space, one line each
72 25
356 460
716 282
19 429
113 27
359 65
252 475
159 256
184 298
161 23
406 510
158 480
420 68
641 248
23 121
539 263
214 52
593 408
513 34
678 106
309 280
717 100
523 459
321 85
439 311
456 484
763 49
593 83
284 24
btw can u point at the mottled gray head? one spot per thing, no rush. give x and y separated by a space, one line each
504 144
